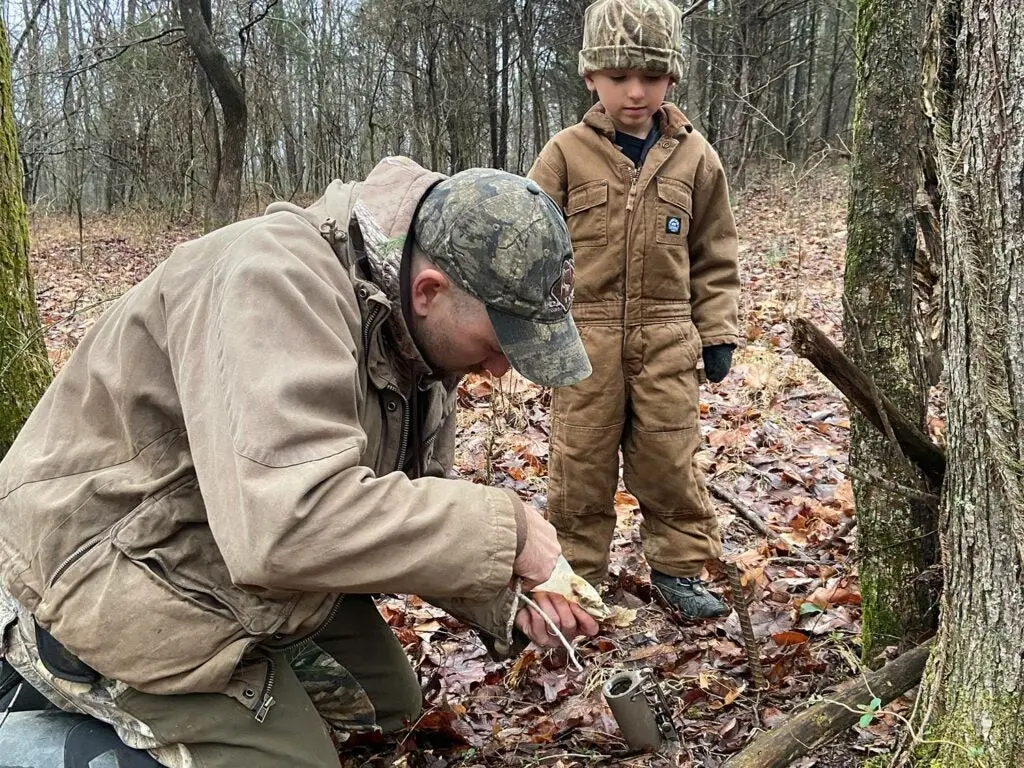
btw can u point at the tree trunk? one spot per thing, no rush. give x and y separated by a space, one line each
502 159
972 697
195 18
896 536
24 368
828 103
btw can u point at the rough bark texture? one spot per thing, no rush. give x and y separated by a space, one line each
896 536
971 709
231 95
24 368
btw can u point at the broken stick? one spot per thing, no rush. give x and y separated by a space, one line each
811 343
745 510
825 720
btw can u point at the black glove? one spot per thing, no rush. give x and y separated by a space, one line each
717 361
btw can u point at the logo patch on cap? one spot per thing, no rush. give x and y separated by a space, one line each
562 288
673 225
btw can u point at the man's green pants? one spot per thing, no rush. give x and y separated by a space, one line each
355 677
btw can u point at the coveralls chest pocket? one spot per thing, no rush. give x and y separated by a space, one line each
672 213
586 213
667 262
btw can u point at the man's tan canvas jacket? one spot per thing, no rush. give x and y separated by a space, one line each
218 461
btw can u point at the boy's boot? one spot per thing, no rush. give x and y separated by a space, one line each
688 595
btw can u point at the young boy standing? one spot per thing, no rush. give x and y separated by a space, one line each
657 284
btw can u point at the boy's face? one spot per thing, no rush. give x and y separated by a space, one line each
630 97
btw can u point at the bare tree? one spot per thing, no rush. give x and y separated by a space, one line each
972 695
896 534
287 96
227 139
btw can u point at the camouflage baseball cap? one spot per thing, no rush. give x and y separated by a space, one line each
632 34
505 242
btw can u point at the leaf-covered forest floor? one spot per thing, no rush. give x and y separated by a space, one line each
776 437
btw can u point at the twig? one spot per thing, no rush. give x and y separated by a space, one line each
11 703
745 510
695 7
847 526
798 562
911 493
742 605
554 628
895 545
754 520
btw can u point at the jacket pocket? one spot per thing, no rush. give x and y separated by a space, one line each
170 537
689 340
675 204
127 623
586 213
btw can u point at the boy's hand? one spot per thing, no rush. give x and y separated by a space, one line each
717 361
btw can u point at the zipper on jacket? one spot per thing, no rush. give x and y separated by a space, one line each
303 641
268 700
403 445
371 320
75 556
634 178
323 624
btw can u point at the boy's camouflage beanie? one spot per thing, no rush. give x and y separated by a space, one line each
632 34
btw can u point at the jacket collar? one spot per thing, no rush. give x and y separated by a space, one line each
383 218
674 123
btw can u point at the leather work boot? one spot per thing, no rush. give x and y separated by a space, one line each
688 595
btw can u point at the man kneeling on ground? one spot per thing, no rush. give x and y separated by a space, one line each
255 439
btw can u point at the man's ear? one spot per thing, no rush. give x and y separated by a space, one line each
590 83
426 287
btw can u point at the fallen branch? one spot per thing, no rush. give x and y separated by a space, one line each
811 343
821 723
745 510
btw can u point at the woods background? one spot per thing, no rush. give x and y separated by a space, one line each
114 110
178 110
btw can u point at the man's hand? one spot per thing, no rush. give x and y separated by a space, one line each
717 361
570 619
536 560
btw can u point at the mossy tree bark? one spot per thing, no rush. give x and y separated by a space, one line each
971 706
24 368
896 536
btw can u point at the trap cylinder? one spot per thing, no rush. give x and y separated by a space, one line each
626 696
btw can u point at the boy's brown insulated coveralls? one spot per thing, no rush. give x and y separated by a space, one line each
656 279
